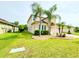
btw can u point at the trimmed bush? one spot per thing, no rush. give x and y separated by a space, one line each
64 35
36 32
22 28
43 32
61 35
69 32
76 29
9 31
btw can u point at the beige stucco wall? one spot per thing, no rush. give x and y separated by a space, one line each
53 30
34 27
16 29
4 28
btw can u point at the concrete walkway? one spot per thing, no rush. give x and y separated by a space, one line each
42 37
71 35
46 37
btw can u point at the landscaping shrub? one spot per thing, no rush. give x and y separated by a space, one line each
76 29
36 32
9 31
22 28
61 35
69 32
16 32
43 32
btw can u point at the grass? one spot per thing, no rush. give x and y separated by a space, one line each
8 38
75 33
37 48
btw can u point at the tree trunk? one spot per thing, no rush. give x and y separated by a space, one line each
69 32
49 28
62 31
59 27
59 30
40 26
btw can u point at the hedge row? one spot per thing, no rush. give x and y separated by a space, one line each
43 32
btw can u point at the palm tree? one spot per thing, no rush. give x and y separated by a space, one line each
59 24
50 15
69 27
62 26
37 11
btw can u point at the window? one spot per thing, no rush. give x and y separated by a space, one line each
39 27
33 18
42 27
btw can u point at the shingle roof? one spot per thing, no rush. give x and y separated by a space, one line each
6 22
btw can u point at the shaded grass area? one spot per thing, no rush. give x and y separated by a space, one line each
8 36
50 48
9 39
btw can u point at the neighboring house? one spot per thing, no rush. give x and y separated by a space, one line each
34 24
6 26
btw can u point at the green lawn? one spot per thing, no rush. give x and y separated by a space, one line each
37 48
75 33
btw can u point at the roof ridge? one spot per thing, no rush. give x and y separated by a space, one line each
7 22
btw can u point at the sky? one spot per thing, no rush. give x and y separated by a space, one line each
21 10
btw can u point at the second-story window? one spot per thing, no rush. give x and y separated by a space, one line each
33 18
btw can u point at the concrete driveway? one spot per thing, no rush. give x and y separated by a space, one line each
71 35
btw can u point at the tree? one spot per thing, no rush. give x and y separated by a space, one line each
22 28
16 23
26 28
76 29
37 11
69 27
59 25
50 15
62 26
